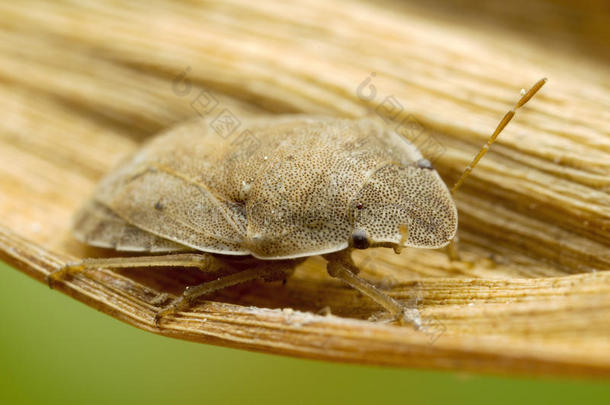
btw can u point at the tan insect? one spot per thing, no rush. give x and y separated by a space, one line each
312 186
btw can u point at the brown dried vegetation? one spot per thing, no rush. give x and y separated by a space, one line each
81 85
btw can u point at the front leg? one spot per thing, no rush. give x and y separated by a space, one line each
341 266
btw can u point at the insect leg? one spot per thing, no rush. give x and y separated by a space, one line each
268 272
404 235
341 266
452 251
202 261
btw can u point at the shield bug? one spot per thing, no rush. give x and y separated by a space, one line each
312 186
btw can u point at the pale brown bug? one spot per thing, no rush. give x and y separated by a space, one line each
313 186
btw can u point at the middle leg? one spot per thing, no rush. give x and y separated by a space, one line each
268 271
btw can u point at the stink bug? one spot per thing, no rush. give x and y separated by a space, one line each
313 186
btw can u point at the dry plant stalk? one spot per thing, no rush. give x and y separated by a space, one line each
534 218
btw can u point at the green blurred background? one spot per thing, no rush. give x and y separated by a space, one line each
54 350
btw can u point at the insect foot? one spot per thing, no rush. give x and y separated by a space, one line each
69 269
176 305
410 316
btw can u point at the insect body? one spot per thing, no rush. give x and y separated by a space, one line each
312 186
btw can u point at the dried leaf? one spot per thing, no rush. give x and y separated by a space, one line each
534 217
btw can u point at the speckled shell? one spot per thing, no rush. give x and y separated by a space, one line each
300 189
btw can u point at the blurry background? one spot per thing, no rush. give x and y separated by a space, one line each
579 27
102 75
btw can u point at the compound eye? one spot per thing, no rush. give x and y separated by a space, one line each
359 239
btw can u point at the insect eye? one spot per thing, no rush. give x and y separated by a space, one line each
359 206
359 239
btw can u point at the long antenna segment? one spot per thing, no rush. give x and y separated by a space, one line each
509 116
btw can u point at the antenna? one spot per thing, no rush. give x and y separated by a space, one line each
509 116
